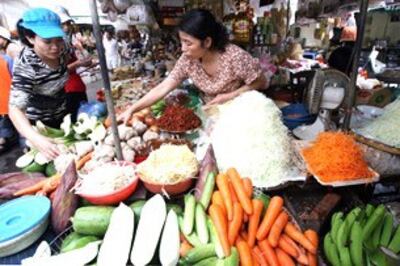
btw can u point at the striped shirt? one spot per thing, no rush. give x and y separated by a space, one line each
37 89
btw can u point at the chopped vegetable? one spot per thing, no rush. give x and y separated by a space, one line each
335 156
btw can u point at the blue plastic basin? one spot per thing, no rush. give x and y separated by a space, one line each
295 115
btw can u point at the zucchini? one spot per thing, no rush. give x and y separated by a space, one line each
79 241
92 220
207 190
215 240
149 229
117 243
25 160
232 260
201 224
34 167
199 253
170 244
192 238
188 216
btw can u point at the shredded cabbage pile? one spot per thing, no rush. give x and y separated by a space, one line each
386 128
106 179
250 136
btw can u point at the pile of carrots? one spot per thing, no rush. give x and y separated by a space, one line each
269 239
335 156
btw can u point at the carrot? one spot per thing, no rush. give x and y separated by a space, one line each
245 217
223 186
50 186
84 159
217 199
221 225
301 253
107 122
277 228
347 163
313 237
284 258
240 191
274 208
38 186
287 247
269 253
300 238
233 193
248 186
258 256
244 235
254 221
245 255
236 223
184 248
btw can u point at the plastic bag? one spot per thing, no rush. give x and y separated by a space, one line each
97 109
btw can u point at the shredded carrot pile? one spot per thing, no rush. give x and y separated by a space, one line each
335 156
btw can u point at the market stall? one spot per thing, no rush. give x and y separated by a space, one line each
180 184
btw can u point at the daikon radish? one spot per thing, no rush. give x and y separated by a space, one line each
76 257
118 239
151 222
169 247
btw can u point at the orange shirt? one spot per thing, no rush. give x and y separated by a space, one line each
5 86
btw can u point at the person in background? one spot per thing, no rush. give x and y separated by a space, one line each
9 48
8 134
111 50
40 73
222 71
75 88
342 57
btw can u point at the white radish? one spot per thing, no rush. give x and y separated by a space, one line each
118 238
149 229
170 244
77 257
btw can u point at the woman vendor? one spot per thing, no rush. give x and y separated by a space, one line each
219 69
40 73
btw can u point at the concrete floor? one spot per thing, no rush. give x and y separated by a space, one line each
7 159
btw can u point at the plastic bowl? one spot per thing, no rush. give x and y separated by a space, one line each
170 189
115 196
369 112
295 115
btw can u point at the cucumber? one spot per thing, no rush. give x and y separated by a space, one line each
201 224
177 209
394 244
25 160
199 253
50 169
92 220
70 238
78 242
137 208
386 230
207 262
207 190
215 240
188 216
192 238
34 167
232 260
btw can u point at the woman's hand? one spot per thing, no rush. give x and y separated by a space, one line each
126 116
45 145
222 98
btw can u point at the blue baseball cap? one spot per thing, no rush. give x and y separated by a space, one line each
43 22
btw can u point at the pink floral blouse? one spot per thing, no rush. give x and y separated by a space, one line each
236 67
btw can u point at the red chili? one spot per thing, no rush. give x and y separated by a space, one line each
178 118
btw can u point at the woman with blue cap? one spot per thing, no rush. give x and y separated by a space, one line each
40 73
